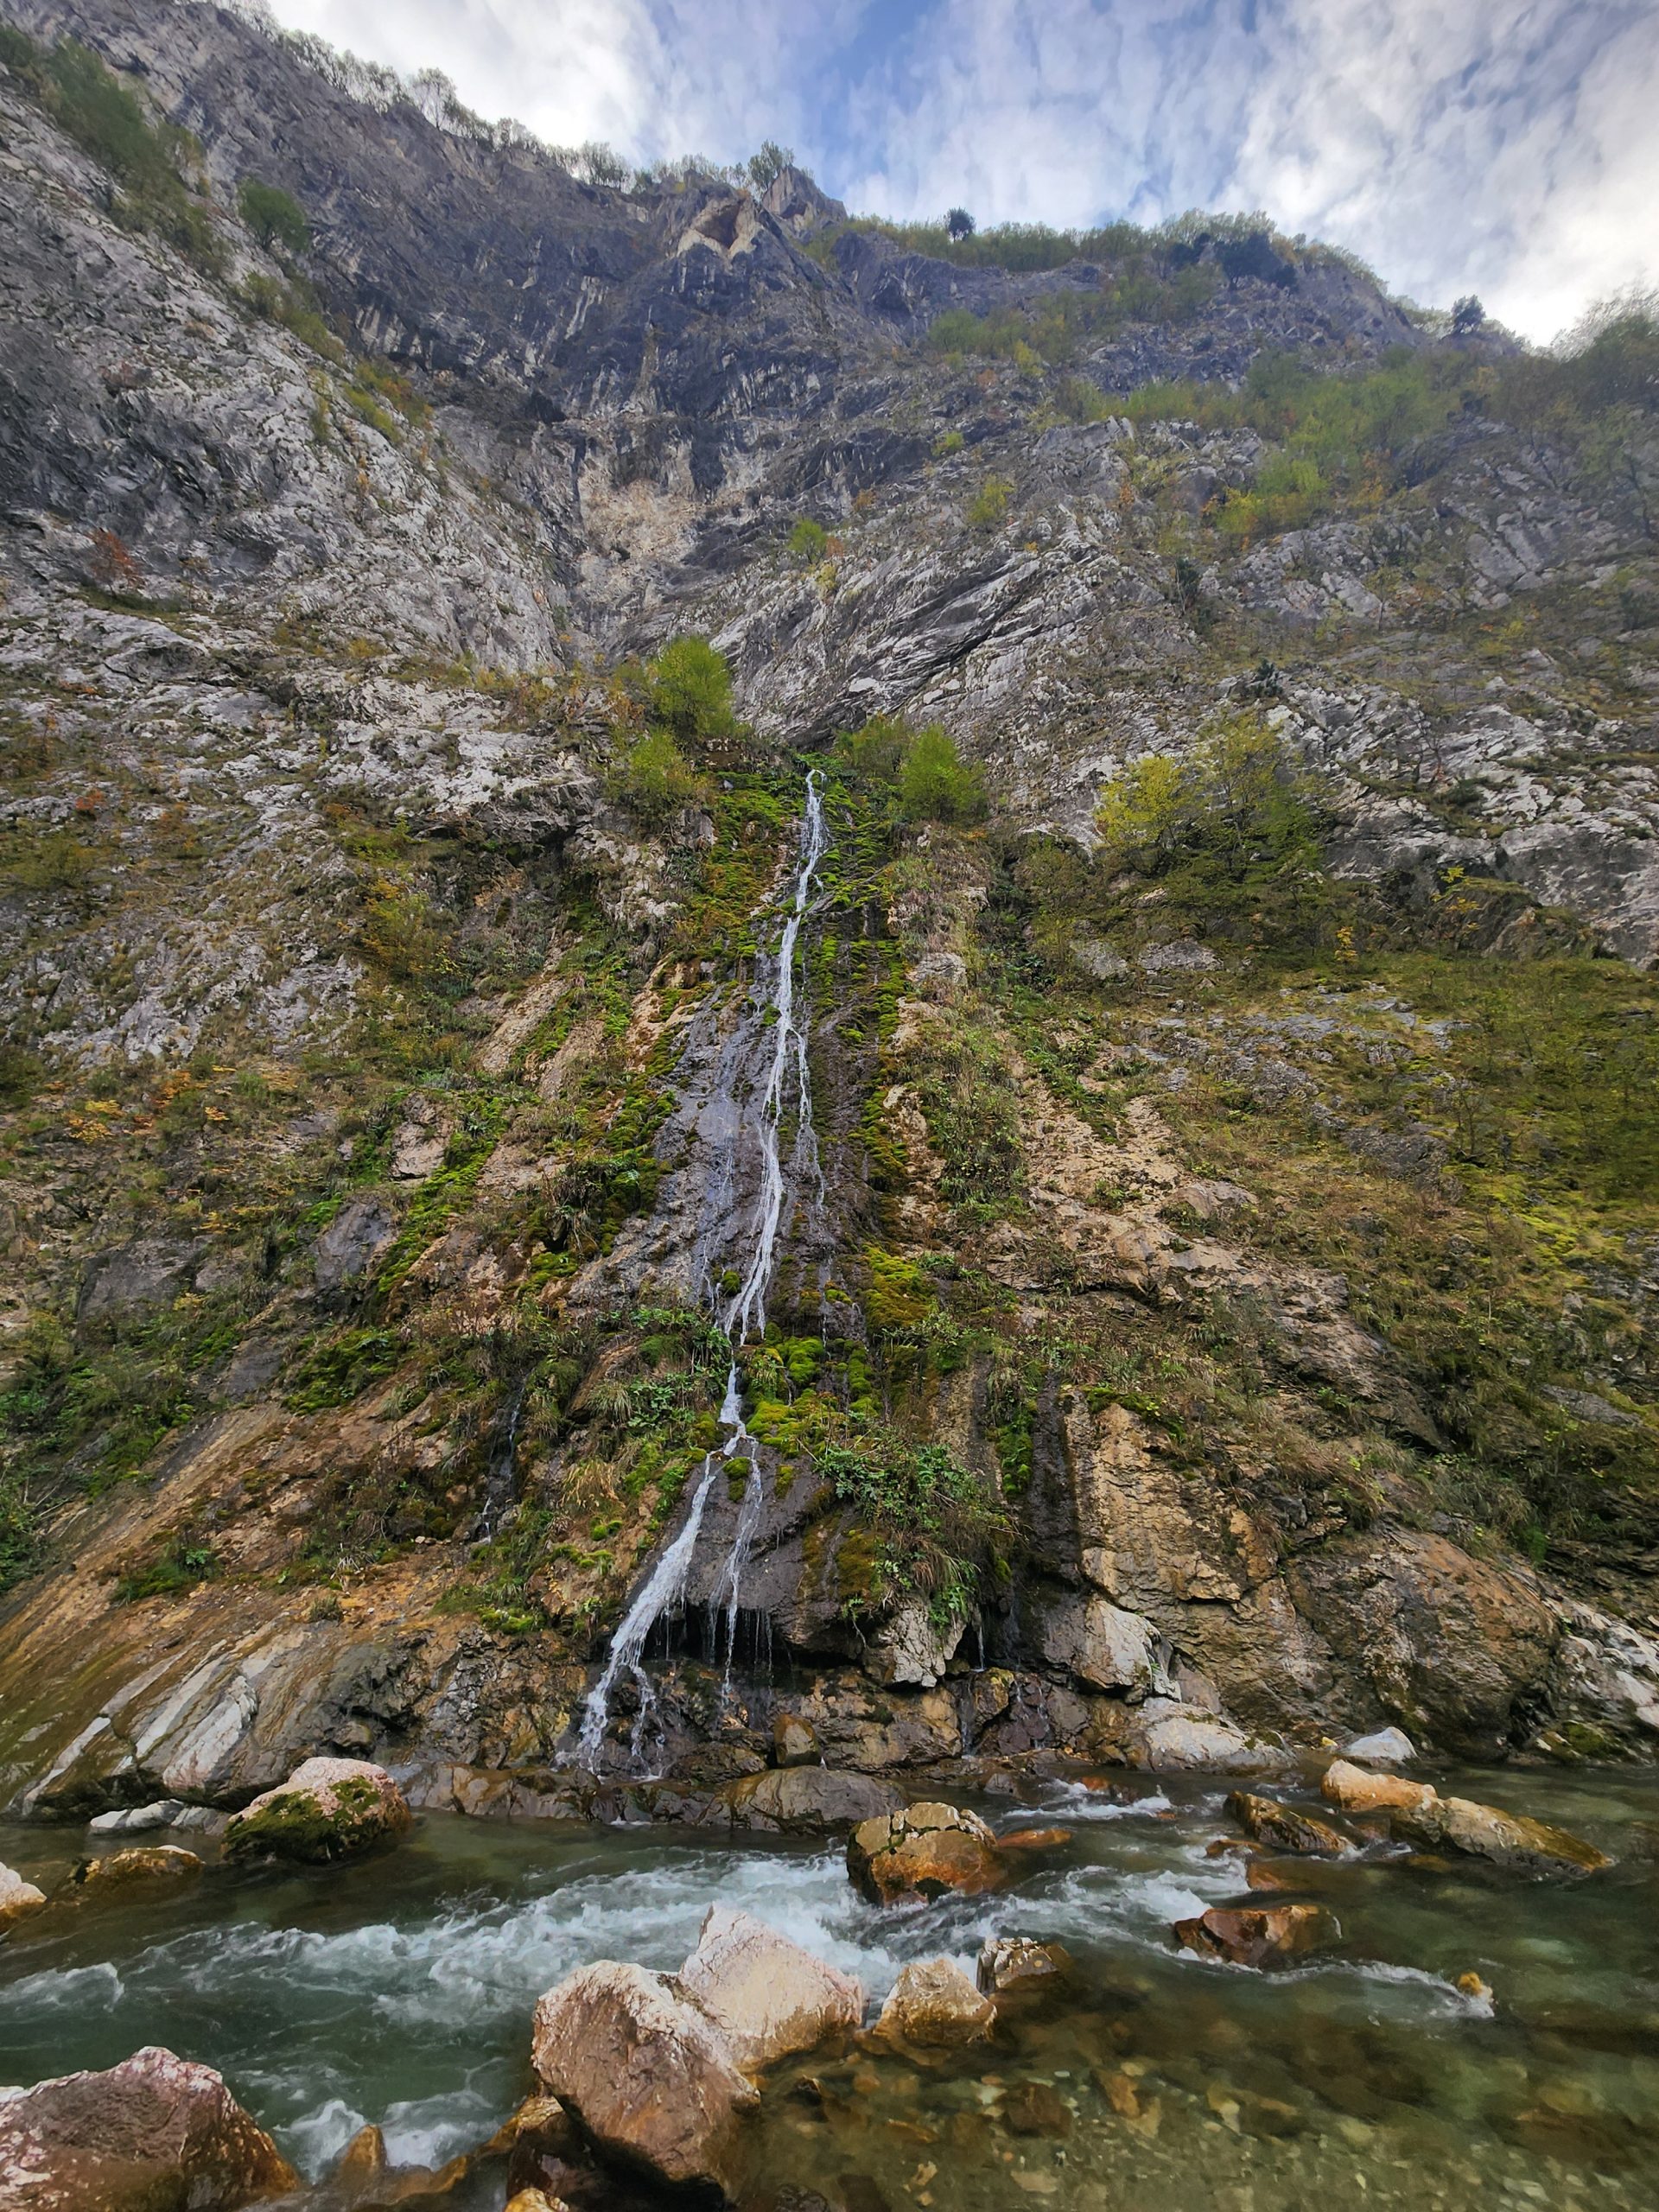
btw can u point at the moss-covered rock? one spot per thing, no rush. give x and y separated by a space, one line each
327 1810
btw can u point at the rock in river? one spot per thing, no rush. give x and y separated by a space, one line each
767 1995
934 2005
1284 1828
328 1808
154 2134
1507 1838
127 1870
645 2071
1259 1936
1355 1789
922 1852
18 1899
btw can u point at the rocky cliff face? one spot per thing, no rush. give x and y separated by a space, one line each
1225 1318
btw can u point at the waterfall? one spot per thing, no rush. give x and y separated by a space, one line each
744 1317
500 1482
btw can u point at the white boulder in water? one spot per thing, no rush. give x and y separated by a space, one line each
767 1996
1384 1747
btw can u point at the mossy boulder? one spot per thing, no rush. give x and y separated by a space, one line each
327 1810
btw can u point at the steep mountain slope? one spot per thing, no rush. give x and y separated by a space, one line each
1227 1282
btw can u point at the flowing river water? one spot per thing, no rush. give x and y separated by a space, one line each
401 1991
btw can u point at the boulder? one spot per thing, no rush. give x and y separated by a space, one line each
1018 1966
1034 2108
126 1870
767 1995
1385 1747
1271 1822
135 1820
922 1852
18 1899
645 2072
154 2134
1507 1838
1171 1739
1353 1790
934 2007
1259 1936
808 1800
327 1810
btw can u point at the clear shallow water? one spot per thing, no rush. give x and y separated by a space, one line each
401 1991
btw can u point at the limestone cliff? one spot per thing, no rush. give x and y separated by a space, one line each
1225 1318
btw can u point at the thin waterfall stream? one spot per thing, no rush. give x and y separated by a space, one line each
744 1317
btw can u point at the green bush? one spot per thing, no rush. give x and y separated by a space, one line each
988 508
655 779
809 541
688 694
274 216
935 784
924 1525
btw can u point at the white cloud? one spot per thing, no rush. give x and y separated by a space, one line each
1505 147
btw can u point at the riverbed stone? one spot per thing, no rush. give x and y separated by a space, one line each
1020 1966
127 1870
18 1899
649 2076
156 2133
933 2005
1355 1789
327 1810
922 1852
1271 1822
1259 1936
1508 1840
767 1995
1383 1747
808 1800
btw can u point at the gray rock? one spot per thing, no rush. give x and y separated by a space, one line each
1384 1747
151 1271
360 1233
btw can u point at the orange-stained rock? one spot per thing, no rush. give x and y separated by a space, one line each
18 1899
922 1852
1356 1790
1273 1822
934 2005
1508 1840
1259 1936
123 1869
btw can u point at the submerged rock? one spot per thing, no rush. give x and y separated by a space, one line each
934 2005
18 1899
327 1810
135 1820
1259 1936
767 1996
1285 1828
922 1852
156 2133
1507 1838
646 2072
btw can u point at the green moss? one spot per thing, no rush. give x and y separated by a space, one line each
296 1825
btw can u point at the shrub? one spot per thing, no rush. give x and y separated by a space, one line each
959 225
809 541
655 779
935 783
690 694
769 163
988 508
274 216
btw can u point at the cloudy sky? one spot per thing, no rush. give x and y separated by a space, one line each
1505 147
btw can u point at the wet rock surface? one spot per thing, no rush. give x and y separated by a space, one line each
923 1851
327 1810
934 2007
155 2131
767 1996
1262 1936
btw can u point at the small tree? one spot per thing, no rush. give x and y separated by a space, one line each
1467 316
988 508
960 224
769 164
809 541
935 784
690 693
274 216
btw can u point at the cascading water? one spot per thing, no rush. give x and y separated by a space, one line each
743 1317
